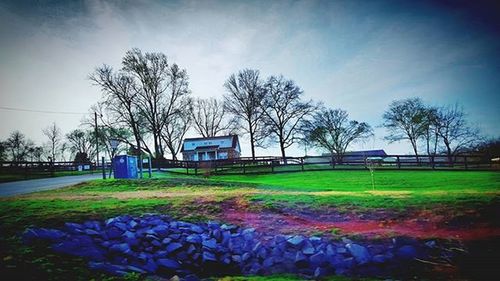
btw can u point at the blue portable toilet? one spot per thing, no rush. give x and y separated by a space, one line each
125 167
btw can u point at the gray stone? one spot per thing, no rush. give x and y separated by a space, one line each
210 243
168 263
406 252
193 238
308 248
172 247
196 229
318 259
123 248
209 257
359 252
379 258
160 230
341 250
296 240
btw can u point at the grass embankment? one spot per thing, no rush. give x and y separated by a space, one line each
199 199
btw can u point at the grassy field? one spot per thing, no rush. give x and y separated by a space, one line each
200 199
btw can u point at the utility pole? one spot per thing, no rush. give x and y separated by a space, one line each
97 143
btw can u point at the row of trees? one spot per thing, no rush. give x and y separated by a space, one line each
147 105
439 129
78 144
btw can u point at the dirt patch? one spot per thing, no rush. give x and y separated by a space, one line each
380 224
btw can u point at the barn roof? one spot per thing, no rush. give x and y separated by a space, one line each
376 152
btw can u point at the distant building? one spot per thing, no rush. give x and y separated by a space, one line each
201 149
361 155
351 156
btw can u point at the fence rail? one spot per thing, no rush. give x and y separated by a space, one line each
10 170
272 164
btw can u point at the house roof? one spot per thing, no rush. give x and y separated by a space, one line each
232 139
206 147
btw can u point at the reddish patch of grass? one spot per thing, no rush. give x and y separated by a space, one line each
417 224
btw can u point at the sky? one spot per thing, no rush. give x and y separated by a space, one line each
354 55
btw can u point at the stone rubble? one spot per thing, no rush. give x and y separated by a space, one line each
158 245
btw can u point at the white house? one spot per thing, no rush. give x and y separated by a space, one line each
201 149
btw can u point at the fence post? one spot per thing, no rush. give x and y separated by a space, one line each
187 168
103 168
150 168
195 168
397 161
272 166
244 169
333 162
302 163
465 162
433 163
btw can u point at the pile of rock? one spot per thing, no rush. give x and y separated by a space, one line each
156 244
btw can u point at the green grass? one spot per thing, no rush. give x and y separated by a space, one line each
384 180
393 189
341 189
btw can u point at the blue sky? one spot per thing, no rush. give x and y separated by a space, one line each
356 55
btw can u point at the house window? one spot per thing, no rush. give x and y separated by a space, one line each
222 154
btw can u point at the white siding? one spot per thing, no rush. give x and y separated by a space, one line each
221 142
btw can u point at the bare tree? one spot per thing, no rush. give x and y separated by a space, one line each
245 93
406 120
18 146
175 130
454 131
53 133
36 153
82 142
160 90
332 130
119 108
209 118
63 149
144 96
284 111
176 118
431 135
490 148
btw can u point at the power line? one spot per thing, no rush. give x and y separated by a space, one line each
41 111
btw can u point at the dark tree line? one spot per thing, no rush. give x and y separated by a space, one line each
78 144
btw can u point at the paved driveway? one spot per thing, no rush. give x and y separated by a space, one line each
28 186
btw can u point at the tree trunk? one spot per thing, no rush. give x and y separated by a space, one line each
414 144
282 146
252 145
448 152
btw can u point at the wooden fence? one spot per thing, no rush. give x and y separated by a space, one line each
271 164
26 169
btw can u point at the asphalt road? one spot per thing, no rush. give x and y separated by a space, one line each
28 186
